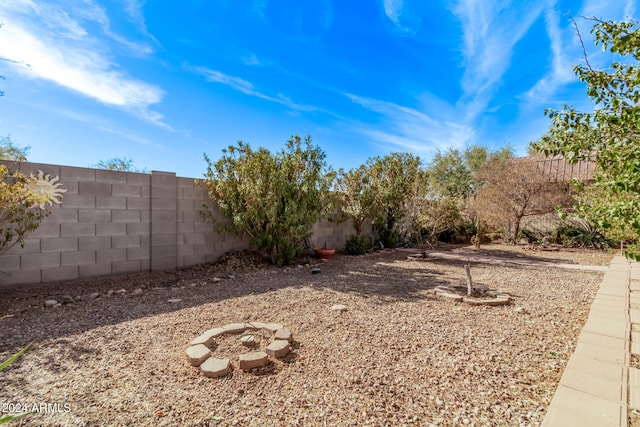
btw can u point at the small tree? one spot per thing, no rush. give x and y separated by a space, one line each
10 151
121 164
449 175
275 199
453 174
350 189
392 185
512 190
24 203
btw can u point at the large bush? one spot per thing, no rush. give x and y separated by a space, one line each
275 198
350 189
393 182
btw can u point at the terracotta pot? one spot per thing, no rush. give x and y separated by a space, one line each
325 253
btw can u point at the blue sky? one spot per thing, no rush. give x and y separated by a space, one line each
163 82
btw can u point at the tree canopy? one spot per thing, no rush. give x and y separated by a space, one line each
276 199
11 151
610 133
454 174
122 164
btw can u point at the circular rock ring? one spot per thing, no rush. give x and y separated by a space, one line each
199 353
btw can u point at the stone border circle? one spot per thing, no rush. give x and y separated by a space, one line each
200 355
496 297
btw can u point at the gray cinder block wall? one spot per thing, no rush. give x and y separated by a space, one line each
113 222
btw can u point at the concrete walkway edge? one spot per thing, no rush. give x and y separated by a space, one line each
598 385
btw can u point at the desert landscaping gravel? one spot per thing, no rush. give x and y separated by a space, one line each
395 355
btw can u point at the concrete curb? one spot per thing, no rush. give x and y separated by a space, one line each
598 383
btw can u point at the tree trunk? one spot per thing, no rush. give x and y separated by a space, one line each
516 229
467 269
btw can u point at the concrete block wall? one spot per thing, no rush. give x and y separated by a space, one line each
335 233
113 222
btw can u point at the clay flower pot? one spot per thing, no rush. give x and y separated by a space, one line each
325 253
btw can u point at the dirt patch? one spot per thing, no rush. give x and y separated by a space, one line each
397 355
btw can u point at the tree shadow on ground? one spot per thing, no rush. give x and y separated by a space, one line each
517 252
380 277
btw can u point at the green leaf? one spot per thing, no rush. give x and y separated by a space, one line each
14 357
8 418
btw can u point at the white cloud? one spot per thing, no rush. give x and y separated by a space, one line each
402 20
566 47
491 29
563 49
630 9
135 11
248 88
236 83
393 9
412 129
617 10
251 60
56 47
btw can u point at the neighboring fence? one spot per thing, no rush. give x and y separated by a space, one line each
114 222
558 169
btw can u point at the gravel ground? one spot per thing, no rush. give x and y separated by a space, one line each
397 356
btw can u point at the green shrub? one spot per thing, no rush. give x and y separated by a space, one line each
356 245
389 238
274 198
583 236
392 182
528 235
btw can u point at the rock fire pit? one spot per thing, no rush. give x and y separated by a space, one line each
263 340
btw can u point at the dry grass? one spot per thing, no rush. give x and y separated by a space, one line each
398 356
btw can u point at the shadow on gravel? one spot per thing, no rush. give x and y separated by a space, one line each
534 256
23 317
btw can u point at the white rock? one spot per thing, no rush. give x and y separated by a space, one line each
271 327
174 300
50 303
208 336
283 334
339 307
278 348
197 354
234 328
254 359
248 340
255 325
215 368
